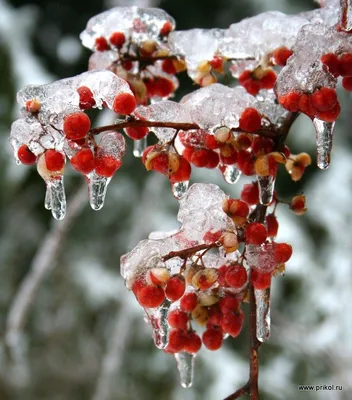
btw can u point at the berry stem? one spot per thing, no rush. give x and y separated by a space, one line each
190 251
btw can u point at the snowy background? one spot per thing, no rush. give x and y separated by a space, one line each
68 328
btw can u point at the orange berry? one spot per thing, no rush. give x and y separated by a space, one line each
290 101
268 80
281 55
324 99
298 204
250 120
330 115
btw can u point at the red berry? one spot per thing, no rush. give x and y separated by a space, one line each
281 55
200 158
83 161
330 115
212 237
332 63
177 341
290 101
216 62
117 39
177 319
347 83
268 80
228 155
256 233
150 296
175 287
306 106
212 339
166 28
162 87
283 252
189 302
160 163
168 67
250 120
228 304
210 142
138 284
346 64
101 44
76 125
127 65
272 225
236 276
260 280
25 155
245 162
193 343
86 99
232 323
213 159
214 316
107 165
137 132
183 173
222 273
54 160
251 85
124 103
324 99
250 193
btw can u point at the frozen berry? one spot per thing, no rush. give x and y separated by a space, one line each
236 276
250 120
256 233
54 160
283 252
86 99
137 132
281 55
260 280
117 39
101 44
212 339
25 155
175 287
177 319
150 296
188 302
107 165
83 161
76 125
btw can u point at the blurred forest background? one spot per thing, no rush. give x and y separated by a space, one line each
82 335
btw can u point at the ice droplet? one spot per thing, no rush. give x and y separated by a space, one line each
139 146
231 174
97 186
262 298
266 186
185 365
47 201
56 193
160 325
179 189
324 134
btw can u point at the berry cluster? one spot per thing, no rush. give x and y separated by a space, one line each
340 66
260 78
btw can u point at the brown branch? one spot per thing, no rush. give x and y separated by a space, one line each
184 126
239 393
190 251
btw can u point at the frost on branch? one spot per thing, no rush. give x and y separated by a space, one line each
196 277
54 126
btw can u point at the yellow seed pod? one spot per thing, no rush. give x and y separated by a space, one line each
205 278
204 66
261 166
208 79
278 157
206 299
190 272
179 65
150 156
148 46
200 315
157 276
161 53
304 159
230 242
223 134
174 163
33 105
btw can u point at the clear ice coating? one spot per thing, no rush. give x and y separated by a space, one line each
160 326
185 366
266 186
57 197
324 134
139 146
137 24
262 298
97 187
196 46
262 257
165 111
179 189
231 174
346 15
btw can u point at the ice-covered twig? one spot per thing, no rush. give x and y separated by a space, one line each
43 261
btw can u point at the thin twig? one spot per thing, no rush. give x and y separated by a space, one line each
43 261
239 393
190 251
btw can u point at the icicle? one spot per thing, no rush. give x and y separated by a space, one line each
160 325
266 189
97 186
231 174
47 201
55 199
262 298
139 146
179 189
185 365
324 134
346 15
